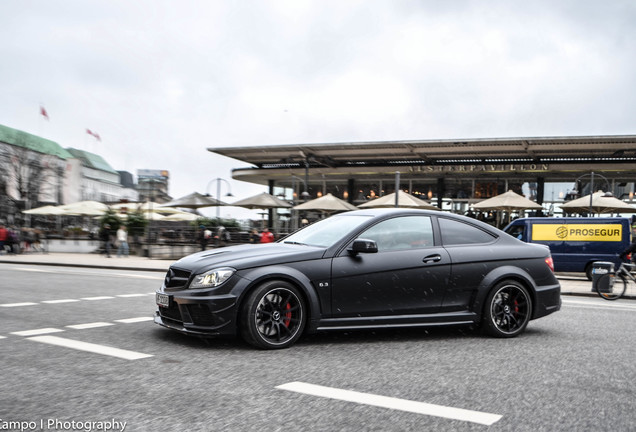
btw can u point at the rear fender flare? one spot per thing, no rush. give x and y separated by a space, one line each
497 275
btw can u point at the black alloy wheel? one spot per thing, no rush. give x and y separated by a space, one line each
508 310
273 316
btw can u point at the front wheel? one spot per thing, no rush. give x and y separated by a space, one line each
273 316
611 287
507 310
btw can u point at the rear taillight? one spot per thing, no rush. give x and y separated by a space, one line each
550 263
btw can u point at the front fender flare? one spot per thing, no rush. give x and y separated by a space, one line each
261 274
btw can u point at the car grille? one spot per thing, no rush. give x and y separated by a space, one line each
201 315
176 278
171 312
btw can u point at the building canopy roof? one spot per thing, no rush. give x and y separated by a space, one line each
611 148
35 143
91 160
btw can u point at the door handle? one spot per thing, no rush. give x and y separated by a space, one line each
432 258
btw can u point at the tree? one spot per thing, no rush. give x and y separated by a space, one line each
26 176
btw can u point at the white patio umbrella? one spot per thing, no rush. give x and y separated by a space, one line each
183 216
326 203
45 210
601 202
404 200
194 201
262 201
507 201
84 208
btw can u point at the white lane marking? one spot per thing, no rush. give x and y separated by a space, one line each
89 325
97 298
60 301
134 320
3 337
91 273
609 305
90 347
392 403
17 304
37 332
73 300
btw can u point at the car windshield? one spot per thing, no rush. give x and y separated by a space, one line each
326 232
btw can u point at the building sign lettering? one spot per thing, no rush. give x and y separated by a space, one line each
483 168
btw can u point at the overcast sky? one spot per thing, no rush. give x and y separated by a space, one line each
161 81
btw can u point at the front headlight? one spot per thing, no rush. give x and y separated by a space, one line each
212 278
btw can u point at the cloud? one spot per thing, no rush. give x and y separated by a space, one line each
161 81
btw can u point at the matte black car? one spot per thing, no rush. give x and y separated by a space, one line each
362 269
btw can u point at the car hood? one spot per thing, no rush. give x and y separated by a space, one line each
247 256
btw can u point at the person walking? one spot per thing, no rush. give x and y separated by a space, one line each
122 240
104 235
267 236
4 237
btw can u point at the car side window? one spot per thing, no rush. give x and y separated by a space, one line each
406 232
457 233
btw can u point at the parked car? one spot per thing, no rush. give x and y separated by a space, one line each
576 242
358 270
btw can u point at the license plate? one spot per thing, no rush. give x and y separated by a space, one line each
163 300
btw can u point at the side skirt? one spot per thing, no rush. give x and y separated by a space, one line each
458 318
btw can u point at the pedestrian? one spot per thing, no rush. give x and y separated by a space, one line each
122 240
267 236
14 240
104 236
255 237
4 237
628 254
204 236
220 236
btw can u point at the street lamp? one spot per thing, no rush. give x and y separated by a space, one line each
218 181
591 175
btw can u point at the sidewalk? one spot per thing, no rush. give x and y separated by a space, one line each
571 283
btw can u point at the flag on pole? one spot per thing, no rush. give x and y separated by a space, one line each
94 134
43 112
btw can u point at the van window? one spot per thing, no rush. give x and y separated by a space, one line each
516 231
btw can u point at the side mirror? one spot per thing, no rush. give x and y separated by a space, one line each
363 246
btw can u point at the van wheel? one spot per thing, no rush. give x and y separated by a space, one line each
588 271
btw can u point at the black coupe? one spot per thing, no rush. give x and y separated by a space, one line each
362 269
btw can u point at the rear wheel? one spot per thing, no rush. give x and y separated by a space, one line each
611 287
508 310
273 316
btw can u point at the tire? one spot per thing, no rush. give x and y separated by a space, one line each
616 286
588 271
507 310
273 315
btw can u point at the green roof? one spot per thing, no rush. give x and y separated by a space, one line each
32 142
91 160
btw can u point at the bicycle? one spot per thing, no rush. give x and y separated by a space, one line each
615 287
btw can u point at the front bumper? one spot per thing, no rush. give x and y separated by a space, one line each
199 315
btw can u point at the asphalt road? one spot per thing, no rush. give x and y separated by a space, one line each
573 370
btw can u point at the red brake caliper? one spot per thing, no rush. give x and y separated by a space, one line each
288 315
